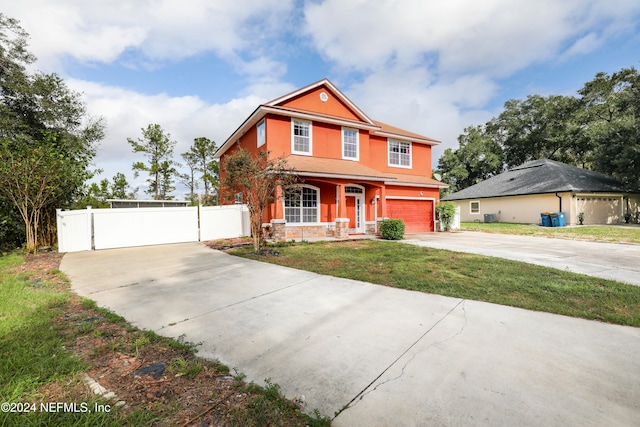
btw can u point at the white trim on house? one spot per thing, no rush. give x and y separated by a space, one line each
414 184
335 92
302 124
471 202
262 133
390 142
301 206
350 143
409 198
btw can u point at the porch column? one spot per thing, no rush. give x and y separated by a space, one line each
278 212
342 221
383 201
341 202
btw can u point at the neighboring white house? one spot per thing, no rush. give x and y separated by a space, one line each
520 194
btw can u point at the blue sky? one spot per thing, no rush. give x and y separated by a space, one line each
198 68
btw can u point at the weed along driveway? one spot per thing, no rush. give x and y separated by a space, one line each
613 261
377 356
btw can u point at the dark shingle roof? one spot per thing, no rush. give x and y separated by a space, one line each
539 177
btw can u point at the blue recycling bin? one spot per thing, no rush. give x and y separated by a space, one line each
546 219
557 219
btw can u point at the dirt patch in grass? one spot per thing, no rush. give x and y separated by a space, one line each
185 390
222 244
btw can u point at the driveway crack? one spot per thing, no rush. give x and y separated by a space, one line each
368 389
238 303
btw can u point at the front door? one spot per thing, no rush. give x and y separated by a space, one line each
355 209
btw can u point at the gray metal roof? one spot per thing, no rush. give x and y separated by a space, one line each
539 177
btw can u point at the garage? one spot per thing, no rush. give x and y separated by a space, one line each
417 214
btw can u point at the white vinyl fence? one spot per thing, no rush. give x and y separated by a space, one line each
87 229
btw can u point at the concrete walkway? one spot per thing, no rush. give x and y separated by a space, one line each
614 261
379 356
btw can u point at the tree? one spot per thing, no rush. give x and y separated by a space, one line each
200 159
97 194
478 157
538 127
611 117
158 148
47 140
189 179
257 178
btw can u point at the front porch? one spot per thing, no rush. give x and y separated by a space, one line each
320 208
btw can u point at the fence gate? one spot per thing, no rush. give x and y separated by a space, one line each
83 230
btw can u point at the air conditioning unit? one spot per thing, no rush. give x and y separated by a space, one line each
491 217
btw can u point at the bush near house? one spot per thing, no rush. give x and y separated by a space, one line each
392 229
446 211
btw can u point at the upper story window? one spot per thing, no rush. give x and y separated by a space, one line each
262 136
301 137
301 204
399 154
350 149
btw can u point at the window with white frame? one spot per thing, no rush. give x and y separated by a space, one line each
399 154
474 207
350 143
262 136
300 137
301 204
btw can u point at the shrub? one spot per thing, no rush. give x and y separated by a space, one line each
392 229
446 212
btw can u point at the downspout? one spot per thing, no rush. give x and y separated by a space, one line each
560 199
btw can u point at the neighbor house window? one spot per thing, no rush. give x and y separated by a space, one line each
474 207
349 143
301 137
262 136
301 204
399 154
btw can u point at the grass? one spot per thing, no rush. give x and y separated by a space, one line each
465 276
34 358
602 233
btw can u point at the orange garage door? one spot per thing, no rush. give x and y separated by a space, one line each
417 214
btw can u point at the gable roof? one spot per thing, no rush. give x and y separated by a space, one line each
279 106
540 177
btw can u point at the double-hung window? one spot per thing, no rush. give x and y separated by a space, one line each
262 136
301 137
474 207
399 154
301 204
350 144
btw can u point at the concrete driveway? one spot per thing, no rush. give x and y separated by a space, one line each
614 261
381 356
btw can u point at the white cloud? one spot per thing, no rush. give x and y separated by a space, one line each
185 118
165 30
496 37
409 99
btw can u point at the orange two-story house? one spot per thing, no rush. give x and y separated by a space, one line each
354 171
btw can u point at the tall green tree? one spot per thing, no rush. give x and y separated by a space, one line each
200 155
47 139
537 127
611 117
157 147
189 179
478 157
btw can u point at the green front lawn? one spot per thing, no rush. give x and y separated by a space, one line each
605 233
466 276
